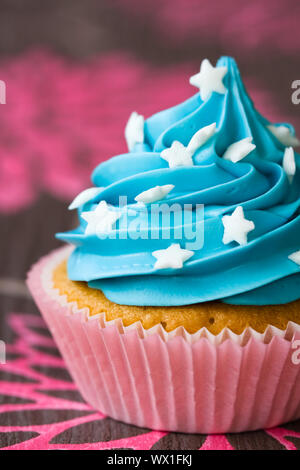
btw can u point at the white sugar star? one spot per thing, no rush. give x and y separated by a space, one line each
209 79
284 135
172 257
83 197
179 155
154 194
236 227
295 257
239 150
288 163
101 220
134 130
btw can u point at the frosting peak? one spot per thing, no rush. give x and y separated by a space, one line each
214 150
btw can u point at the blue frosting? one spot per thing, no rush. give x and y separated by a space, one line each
259 272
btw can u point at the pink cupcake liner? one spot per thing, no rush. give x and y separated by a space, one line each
174 381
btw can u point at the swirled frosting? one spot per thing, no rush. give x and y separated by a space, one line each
259 271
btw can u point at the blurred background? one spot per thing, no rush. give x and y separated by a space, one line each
74 71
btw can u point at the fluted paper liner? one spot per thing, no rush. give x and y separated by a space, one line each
196 383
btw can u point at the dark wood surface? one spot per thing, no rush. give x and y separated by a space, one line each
81 30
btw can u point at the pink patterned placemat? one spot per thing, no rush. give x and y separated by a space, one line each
42 409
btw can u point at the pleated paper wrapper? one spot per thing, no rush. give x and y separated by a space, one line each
194 383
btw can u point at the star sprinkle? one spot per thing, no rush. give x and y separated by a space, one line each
236 227
134 130
209 79
284 135
295 257
179 155
288 163
154 194
101 220
83 197
239 150
201 137
172 257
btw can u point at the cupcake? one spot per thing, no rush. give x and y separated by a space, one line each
177 305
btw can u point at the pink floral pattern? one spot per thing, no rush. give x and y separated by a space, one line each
62 118
41 408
